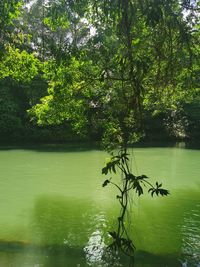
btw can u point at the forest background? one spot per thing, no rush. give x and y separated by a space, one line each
116 71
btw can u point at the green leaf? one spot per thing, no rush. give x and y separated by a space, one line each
142 177
138 188
105 170
130 176
105 183
158 190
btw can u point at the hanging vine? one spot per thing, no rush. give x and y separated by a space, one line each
122 241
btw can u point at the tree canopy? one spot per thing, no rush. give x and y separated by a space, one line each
107 64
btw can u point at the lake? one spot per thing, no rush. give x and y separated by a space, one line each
55 212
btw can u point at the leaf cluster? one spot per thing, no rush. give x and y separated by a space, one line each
137 183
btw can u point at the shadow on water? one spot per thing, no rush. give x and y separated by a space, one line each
26 255
59 220
73 232
68 147
172 225
63 232
89 146
180 144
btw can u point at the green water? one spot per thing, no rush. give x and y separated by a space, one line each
55 213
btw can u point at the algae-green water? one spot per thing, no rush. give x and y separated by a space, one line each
54 211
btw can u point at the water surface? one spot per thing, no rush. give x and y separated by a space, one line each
54 211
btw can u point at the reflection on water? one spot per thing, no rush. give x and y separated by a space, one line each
95 246
94 249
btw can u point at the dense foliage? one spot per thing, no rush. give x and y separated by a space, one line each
111 70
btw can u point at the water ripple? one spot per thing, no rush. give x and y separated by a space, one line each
191 238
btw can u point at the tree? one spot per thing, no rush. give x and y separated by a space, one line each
9 10
136 60
106 64
139 57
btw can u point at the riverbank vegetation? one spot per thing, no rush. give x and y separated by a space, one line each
83 70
